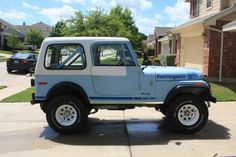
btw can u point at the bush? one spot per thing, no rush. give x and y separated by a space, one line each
151 61
170 60
155 61
146 62
149 51
167 59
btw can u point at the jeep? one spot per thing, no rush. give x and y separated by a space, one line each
104 73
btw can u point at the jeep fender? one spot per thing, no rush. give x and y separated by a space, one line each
204 92
69 88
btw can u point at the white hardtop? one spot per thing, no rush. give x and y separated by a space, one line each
52 40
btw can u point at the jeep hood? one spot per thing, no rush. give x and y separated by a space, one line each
173 73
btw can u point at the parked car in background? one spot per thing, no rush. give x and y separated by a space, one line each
22 61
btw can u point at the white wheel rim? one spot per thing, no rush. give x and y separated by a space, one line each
66 115
188 114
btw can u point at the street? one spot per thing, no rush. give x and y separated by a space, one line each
15 82
132 133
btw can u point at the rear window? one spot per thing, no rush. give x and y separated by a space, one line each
65 56
21 55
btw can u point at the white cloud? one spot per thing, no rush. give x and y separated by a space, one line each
158 16
179 13
98 2
27 5
14 15
147 25
134 4
72 1
57 14
145 4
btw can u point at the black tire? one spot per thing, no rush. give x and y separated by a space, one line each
9 71
187 114
73 109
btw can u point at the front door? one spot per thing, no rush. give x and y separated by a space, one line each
114 71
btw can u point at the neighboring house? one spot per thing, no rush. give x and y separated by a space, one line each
151 41
208 40
159 33
6 28
44 28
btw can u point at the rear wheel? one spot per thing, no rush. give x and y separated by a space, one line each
187 114
66 114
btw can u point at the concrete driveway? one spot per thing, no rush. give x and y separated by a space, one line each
142 132
15 82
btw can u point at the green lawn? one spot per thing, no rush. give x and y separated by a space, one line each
10 52
6 52
1 87
223 92
2 59
24 96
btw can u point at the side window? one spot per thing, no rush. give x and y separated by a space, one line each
112 55
65 56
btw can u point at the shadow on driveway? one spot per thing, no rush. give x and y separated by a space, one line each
134 132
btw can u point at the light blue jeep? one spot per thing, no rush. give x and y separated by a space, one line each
103 73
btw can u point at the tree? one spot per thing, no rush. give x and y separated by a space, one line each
118 22
58 29
12 40
34 37
75 26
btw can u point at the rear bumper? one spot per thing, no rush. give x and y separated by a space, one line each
34 101
212 99
19 67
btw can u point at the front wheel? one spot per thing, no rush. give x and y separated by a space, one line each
187 114
66 114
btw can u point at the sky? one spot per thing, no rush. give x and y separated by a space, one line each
147 14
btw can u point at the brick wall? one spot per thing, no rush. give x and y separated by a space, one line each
213 54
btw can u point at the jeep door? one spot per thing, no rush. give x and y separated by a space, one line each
114 70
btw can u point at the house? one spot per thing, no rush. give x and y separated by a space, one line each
6 28
151 41
208 41
161 46
44 28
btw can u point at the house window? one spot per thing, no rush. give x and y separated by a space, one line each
195 8
209 3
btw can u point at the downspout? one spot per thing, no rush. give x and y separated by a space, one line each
221 50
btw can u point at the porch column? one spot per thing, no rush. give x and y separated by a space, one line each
173 44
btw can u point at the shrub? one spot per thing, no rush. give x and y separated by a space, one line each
151 60
170 60
149 51
167 59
